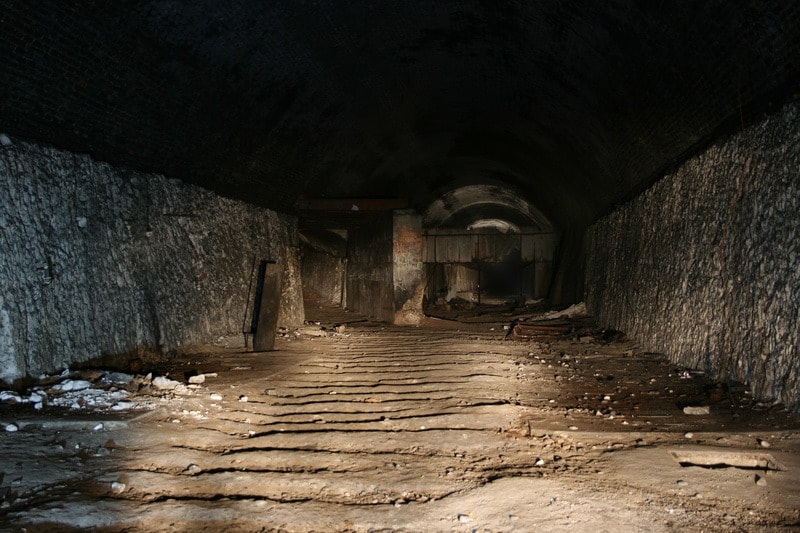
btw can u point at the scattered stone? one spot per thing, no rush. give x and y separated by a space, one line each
764 443
464 519
119 378
199 379
682 483
192 469
539 462
573 428
98 427
697 410
313 331
12 427
243 398
761 481
162 383
117 487
216 397
689 435
9 396
71 385
101 452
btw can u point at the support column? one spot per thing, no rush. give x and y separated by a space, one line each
407 269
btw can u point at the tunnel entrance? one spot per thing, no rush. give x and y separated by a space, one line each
485 268
486 245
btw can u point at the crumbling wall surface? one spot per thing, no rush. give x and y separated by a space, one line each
407 268
98 261
704 266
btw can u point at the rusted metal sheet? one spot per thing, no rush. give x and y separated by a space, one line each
447 246
531 330
506 247
483 248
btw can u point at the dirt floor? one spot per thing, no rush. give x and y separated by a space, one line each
445 427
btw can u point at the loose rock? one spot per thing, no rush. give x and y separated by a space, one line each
117 377
162 383
71 385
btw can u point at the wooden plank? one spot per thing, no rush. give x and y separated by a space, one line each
267 320
430 249
530 330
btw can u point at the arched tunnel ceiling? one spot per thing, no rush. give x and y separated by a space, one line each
577 104
464 206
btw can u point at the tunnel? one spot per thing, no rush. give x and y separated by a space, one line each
399 266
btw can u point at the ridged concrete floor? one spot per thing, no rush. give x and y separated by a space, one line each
445 427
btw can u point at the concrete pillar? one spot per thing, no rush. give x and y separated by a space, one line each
408 274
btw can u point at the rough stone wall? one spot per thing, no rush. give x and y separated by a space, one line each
408 271
98 261
704 265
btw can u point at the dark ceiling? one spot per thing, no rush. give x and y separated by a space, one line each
577 104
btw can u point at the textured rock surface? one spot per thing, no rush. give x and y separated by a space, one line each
96 260
408 274
704 265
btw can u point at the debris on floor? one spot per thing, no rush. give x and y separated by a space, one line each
720 458
389 428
